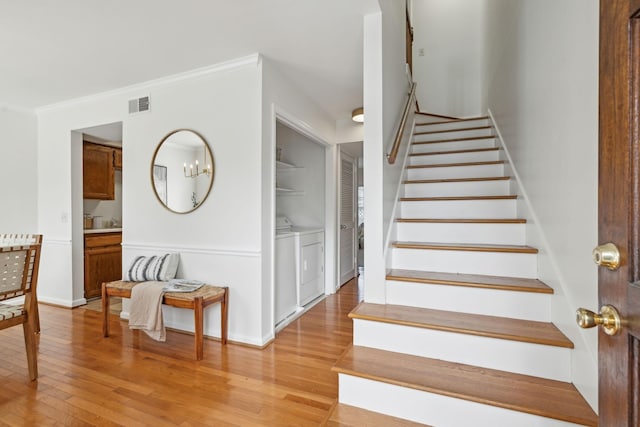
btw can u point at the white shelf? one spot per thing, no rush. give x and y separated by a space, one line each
285 167
282 166
288 192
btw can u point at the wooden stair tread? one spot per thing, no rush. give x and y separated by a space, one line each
449 165
471 150
470 247
451 121
350 416
447 180
457 198
453 130
470 280
548 398
464 323
439 141
462 220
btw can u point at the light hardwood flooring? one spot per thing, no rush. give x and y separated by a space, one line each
115 305
128 379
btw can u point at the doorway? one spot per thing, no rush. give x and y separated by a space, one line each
350 209
97 208
299 255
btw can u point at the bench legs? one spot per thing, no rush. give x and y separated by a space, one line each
224 316
198 314
199 326
105 311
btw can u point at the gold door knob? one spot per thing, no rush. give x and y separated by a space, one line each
607 255
609 319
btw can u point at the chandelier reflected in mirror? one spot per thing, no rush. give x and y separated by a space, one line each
194 171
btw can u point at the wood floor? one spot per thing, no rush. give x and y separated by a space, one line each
128 379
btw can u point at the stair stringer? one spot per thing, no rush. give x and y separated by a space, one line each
390 224
584 365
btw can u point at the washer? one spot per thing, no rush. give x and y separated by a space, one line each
299 267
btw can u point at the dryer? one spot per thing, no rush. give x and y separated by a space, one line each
299 266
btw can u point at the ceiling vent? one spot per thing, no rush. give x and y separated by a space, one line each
139 105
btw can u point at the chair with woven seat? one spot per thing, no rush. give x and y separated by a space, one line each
12 239
19 277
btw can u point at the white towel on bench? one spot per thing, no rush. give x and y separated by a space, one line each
146 309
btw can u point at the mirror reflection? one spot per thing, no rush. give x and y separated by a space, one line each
182 171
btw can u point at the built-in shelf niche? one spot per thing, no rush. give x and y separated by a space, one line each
284 190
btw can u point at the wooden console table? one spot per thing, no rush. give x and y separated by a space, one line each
195 301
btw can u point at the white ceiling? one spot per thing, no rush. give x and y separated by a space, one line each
52 51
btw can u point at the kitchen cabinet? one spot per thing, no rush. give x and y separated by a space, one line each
102 261
117 158
99 163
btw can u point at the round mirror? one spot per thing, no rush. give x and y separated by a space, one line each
182 171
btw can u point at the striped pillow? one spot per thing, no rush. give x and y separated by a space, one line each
160 268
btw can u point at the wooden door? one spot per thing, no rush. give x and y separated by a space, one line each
619 208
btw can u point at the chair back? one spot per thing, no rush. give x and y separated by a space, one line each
19 262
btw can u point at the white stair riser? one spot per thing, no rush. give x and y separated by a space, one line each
438 159
499 234
461 299
453 145
459 209
448 172
453 134
466 262
505 355
452 189
449 125
430 408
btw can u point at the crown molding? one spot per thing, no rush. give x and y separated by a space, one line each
255 59
16 109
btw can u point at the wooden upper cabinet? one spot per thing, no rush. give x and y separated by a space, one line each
98 172
117 158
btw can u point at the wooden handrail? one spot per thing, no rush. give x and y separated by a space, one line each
391 157
440 116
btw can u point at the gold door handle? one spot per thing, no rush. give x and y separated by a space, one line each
607 255
609 319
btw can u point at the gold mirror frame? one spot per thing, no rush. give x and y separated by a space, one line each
185 170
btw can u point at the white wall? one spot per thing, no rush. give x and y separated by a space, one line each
220 241
385 93
349 131
450 33
541 83
18 166
395 88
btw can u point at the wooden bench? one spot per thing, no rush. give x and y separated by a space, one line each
196 301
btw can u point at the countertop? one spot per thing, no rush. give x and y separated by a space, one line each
301 231
102 230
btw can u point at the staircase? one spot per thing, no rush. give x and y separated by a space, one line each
465 336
